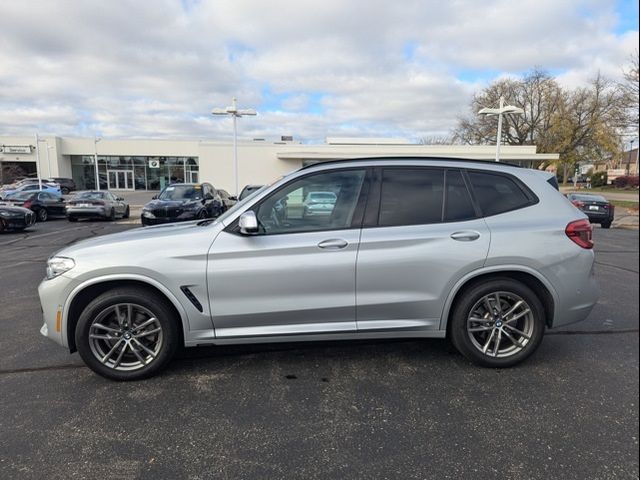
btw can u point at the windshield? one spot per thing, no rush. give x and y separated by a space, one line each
239 204
181 192
589 198
83 195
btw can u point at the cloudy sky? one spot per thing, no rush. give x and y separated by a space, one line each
312 68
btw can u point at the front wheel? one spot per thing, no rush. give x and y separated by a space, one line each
127 334
42 215
127 212
498 323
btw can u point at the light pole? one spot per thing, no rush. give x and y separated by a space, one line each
629 158
38 162
508 109
95 156
235 113
49 147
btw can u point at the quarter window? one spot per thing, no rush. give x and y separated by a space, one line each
497 193
411 196
458 205
324 201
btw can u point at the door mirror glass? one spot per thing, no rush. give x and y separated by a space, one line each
248 223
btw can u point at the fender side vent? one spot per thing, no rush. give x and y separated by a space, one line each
192 298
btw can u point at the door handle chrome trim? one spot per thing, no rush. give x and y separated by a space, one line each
465 236
333 244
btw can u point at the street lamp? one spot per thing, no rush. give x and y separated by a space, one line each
235 113
503 109
49 147
95 156
38 162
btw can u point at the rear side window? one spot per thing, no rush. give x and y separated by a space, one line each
458 204
411 196
497 193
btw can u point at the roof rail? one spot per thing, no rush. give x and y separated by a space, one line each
400 157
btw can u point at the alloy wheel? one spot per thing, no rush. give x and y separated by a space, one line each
125 337
500 324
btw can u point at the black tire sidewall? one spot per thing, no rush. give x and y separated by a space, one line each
42 215
127 213
458 331
143 297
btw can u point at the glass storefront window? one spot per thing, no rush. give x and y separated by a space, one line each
140 172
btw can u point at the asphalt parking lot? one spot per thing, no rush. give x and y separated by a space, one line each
384 409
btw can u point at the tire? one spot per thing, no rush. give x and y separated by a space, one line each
202 214
72 219
127 212
2 226
112 215
42 215
123 363
605 224
484 341
65 191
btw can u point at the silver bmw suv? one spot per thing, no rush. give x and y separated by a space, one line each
488 255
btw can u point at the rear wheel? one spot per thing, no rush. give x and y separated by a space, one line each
72 219
127 212
42 215
498 323
2 226
127 334
65 191
605 224
112 215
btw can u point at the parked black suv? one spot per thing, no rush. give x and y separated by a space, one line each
180 202
67 185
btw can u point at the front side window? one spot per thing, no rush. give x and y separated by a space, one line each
323 201
497 193
411 196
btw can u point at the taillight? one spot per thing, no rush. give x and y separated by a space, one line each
578 203
581 233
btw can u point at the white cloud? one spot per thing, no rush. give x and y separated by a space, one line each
126 68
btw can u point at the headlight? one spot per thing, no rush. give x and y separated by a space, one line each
59 265
148 214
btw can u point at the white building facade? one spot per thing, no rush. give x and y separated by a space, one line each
151 164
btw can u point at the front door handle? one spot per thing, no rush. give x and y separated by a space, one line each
333 244
466 236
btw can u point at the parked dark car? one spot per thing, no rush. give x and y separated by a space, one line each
96 204
15 218
227 199
596 207
248 190
43 204
67 185
181 202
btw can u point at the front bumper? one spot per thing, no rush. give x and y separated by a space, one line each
184 217
53 294
18 221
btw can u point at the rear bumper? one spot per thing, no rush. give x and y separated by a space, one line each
87 212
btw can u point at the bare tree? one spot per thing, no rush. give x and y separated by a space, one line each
579 124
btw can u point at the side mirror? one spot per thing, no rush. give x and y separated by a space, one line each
248 223
120 199
234 198
155 197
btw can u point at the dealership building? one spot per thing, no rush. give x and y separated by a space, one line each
150 164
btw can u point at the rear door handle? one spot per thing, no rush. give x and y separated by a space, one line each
466 236
333 244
